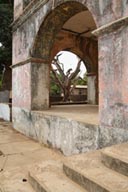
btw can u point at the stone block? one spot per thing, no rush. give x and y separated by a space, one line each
5 111
110 136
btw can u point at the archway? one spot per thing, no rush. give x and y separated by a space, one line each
81 43
68 83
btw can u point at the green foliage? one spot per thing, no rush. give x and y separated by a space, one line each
80 81
54 89
85 77
6 17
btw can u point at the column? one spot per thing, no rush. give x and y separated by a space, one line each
113 82
39 85
91 90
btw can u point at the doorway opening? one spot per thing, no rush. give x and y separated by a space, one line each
68 79
68 28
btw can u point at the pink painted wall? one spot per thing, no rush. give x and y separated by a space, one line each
22 87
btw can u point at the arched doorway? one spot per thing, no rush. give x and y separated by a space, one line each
68 79
65 29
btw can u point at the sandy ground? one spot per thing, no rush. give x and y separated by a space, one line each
17 155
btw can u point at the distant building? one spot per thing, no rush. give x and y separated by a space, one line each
79 90
78 93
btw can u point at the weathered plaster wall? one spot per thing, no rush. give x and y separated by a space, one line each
69 136
39 86
18 8
31 86
21 81
91 93
113 82
24 35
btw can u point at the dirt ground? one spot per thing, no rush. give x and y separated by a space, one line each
17 154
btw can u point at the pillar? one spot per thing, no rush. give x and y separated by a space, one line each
113 82
30 91
91 93
31 85
39 85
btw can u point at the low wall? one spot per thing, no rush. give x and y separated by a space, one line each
72 97
67 135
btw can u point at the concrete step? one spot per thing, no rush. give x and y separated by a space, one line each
49 177
88 171
9 187
116 158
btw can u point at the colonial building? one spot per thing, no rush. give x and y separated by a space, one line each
96 31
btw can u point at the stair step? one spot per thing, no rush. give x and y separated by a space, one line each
49 177
88 171
116 158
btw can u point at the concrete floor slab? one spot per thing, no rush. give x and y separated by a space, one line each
83 113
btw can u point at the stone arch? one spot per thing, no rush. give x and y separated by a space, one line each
85 60
52 25
67 44
42 48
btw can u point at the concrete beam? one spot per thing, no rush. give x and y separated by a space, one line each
108 28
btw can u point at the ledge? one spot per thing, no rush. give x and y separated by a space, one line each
108 28
30 60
